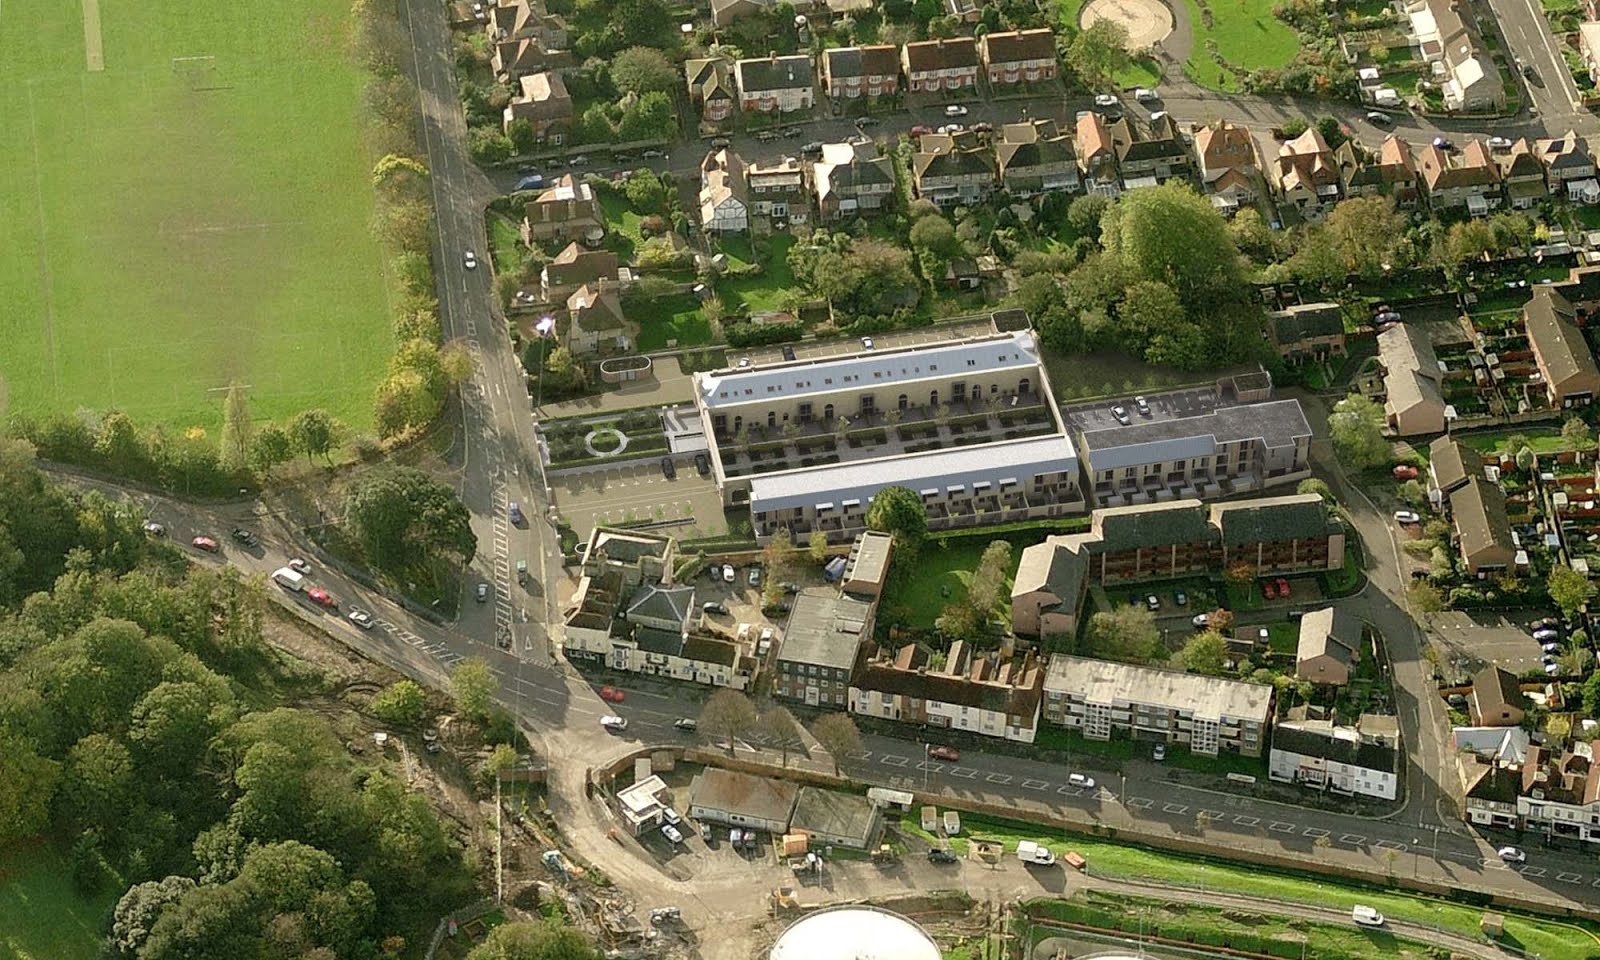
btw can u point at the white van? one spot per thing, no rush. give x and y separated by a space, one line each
1035 853
1366 916
289 579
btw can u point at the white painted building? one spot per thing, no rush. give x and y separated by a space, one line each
1355 761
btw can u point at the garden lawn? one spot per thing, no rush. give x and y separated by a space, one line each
942 577
169 226
677 317
41 916
622 224
763 293
1081 376
1551 939
505 244
1247 35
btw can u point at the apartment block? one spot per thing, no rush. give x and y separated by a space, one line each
1209 715
994 693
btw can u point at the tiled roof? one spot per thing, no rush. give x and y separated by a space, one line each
1552 328
952 53
1306 321
1274 519
775 73
1017 46
1153 525
1479 509
1320 738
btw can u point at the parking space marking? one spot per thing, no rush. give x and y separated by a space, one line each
1070 791
894 761
1494 863
1315 833
1569 877
1533 871
1211 814
1140 803
1354 839
1036 784
965 773
1247 821
1000 778
1278 826
1174 808
861 755
1390 845
930 766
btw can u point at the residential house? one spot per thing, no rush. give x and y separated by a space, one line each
1229 166
820 643
1392 172
1232 449
1589 46
1047 591
725 12
1560 795
1451 464
724 193
946 64
1362 761
712 87
851 179
1314 330
1469 178
545 104
1035 159
831 818
512 60
573 267
776 84
595 321
1308 176
1412 381
1097 156
1101 699
1491 791
1523 176
1566 364
1571 166
866 570
1482 532
851 73
1150 157
522 19
741 800
994 693
1468 80
565 210
777 189
1019 56
952 169
1329 647
1496 698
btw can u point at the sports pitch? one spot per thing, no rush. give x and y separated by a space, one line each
195 212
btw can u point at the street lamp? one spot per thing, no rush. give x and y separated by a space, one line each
925 761
543 329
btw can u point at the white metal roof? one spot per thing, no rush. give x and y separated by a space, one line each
854 933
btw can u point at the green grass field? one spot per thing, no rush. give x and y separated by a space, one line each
41 918
169 225
1247 36
943 575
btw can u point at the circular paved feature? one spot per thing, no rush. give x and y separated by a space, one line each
605 436
1147 21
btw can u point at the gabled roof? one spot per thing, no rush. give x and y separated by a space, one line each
1153 525
722 177
1320 738
983 682
577 264
1017 46
1306 321
1552 327
1093 136
596 310
1474 168
1297 516
1479 509
1329 632
775 73
710 78
877 60
1452 462
1052 567
953 53
1411 368
1221 144
1134 145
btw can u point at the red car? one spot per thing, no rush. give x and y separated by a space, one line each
1404 472
1268 590
1283 588
944 753
611 695
322 598
204 543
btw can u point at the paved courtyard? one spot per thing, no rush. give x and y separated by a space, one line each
638 492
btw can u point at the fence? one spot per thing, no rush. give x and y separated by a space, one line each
466 914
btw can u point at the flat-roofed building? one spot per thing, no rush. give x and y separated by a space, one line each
741 800
867 568
820 642
1210 715
834 818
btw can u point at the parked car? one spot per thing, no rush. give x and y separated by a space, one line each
1160 753
652 154
790 133
1442 143
1268 590
1106 100
867 344
1080 780
671 816
1546 634
702 464
1153 602
1121 413
299 566
686 724
515 513
940 855
1201 620
1283 588
667 469
955 110
1180 598
942 752
204 543
244 536
614 724
727 573
866 122
754 577
812 149
921 129
1499 143
612 695
1142 405
1512 855
154 529
322 598
1379 119
483 591
1145 95
1405 472
531 182
711 606
360 618
1407 516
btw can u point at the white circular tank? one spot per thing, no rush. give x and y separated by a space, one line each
854 933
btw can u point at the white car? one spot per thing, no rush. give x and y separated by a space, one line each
1512 855
866 343
1201 620
1106 100
671 833
360 618
727 573
299 566
1153 602
1366 916
1121 413
469 260
154 529
1142 405
1160 753
671 816
614 723
1080 780
1145 95
955 110
1407 516
1499 143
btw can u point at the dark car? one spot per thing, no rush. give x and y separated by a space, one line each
866 121
1531 74
667 469
790 133
812 149
788 353
244 536
937 855
720 142
702 464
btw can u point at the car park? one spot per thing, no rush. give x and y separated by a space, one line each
322 598
154 529
614 723
1407 516
1080 780
612 695
360 618
469 260
667 469
942 752
299 566
727 573
955 110
204 543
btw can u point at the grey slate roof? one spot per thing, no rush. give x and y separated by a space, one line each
1278 423
776 73
662 603
1314 739
1274 519
1153 525
825 629
1306 321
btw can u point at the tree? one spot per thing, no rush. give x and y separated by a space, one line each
1411 493
1171 234
957 621
640 21
1576 434
1313 485
1149 309
1425 597
27 785
270 446
1569 589
315 432
501 759
817 546
400 704
172 724
898 512
936 244
136 913
640 70
1099 52
1219 621
524 139
647 117
645 191
838 735
236 428
1591 695
473 686
406 520
1356 428
989 579
1205 653
860 278
1126 632
1366 231
729 713
780 726
778 555
547 940
1085 213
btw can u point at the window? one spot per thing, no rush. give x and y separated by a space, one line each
904 402
827 411
933 399
772 419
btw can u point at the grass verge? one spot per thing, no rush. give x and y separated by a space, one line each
41 916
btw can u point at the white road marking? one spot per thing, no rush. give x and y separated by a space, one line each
1036 784
1314 833
1278 826
1000 778
1174 808
1354 839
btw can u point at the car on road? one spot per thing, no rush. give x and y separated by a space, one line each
1379 119
322 598
790 133
1145 95
483 591
1365 916
1201 620
244 536
671 833
1153 602
867 343
515 513
299 565
940 855
1499 143
712 606
533 181
204 543
469 260
1407 516
1531 75
1121 413
1142 405
1512 855
812 149
754 577
614 723
1405 472
942 752
866 122
154 529
612 695
1106 100
667 469
1160 753
686 724
360 618
1080 780
955 110
652 154
767 136
702 464
580 160
1180 598
727 573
